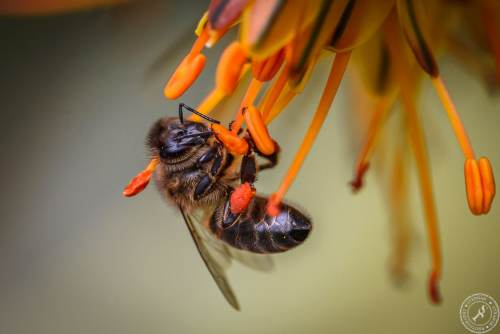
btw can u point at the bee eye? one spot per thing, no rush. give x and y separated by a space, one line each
172 149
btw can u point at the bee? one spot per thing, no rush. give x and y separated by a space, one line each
196 172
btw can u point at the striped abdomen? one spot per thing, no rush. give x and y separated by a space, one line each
257 232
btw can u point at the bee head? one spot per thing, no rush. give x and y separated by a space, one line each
170 138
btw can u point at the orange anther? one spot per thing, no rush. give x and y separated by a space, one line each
258 131
232 142
479 184
141 180
241 197
264 70
188 70
230 67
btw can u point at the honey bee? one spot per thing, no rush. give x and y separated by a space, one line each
196 172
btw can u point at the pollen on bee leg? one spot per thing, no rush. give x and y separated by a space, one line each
230 68
188 70
479 184
141 180
335 77
241 197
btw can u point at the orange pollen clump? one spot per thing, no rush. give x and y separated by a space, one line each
241 197
479 184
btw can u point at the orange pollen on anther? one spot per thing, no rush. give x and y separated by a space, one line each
258 131
141 180
236 145
188 70
241 197
479 184
230 68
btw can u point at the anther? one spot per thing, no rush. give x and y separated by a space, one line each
141 180
479 184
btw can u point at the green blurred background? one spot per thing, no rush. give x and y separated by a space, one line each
78 93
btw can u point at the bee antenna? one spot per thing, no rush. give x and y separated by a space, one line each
196 112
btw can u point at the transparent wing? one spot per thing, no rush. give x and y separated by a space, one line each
214 267
260 262
225 253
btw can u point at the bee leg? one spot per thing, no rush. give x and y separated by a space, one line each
248 170
203 187
272 159
208 156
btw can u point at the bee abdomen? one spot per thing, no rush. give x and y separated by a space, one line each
255 231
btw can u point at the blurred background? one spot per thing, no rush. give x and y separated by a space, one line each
78 93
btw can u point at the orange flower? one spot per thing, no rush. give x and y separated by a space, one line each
392 41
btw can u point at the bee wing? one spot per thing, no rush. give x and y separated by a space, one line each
260 262
215 269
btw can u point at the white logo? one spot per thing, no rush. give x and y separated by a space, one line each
479 313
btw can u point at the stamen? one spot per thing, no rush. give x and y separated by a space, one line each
141 180
381 108
336 73
453 116
258 131
264 70
229 71
284 99
273 93
490 18
420 152
251 94
188 70
398 201
403 71
480 185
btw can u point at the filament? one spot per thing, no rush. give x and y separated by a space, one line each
336 73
